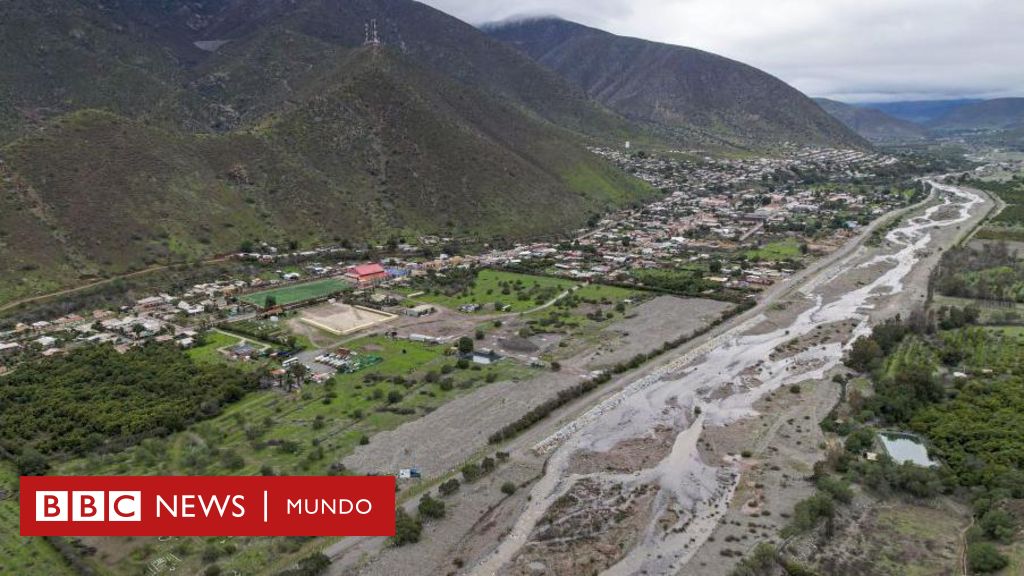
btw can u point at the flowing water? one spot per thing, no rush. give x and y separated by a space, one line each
724 378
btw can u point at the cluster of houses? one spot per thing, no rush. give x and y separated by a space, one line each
715 208
712 208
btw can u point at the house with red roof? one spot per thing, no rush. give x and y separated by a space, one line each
366 274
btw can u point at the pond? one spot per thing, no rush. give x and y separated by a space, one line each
906 448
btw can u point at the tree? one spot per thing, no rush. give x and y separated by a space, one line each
863 354
270 301
508 488
465 345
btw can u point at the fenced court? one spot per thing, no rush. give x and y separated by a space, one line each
288 295
340 319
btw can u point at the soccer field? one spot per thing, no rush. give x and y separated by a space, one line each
298 292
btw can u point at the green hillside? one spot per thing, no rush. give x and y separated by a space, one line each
124 145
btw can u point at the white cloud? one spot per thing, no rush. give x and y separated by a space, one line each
857 50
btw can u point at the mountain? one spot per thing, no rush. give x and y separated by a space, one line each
135 133
996 114
918 111
701 98
875 125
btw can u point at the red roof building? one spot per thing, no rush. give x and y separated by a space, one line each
366 274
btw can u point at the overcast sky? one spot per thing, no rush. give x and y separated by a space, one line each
853 50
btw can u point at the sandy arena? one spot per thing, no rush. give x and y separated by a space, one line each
342 319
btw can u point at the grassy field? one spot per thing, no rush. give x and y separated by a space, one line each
788 249
298 292
521 292
20 555
208 352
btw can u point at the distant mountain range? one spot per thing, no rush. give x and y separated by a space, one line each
889 122
141 132
694 95
875 125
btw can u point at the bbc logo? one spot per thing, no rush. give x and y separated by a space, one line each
88 506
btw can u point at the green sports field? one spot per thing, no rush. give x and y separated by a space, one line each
298 292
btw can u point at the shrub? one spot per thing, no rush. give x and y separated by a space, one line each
407 529
508 488
448 487
431 508
984 558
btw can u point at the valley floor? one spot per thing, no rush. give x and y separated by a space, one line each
636 478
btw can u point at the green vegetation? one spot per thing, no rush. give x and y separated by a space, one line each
496 290
310 431
1012 193
992 273
684 281
183 182
783 250
962 388
207 351
288 295
96 399
23 555
306 432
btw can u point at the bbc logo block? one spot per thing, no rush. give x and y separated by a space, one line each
89 506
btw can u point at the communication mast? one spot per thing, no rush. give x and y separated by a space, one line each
372 38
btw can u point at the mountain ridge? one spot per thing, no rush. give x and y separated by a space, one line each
698 95
874 125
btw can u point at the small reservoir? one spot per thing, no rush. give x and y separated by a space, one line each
906 448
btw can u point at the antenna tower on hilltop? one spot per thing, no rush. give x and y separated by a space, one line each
372 38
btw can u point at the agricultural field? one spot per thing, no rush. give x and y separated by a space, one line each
990 312
20 555
1009 223
517 292
266 332
297 293
302 433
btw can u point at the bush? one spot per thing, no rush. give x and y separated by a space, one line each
998 524
808 513
508 488
471 472
407 529
984 558
448 487
431 508
837 488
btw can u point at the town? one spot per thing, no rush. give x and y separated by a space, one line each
723 229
